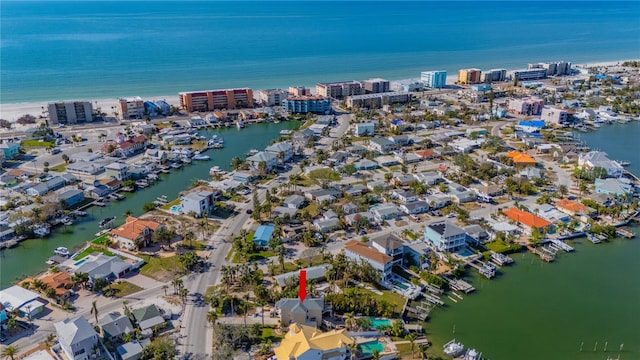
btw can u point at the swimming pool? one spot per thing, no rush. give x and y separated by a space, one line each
176 208
380 322
400 285
78 263
368 347
465 253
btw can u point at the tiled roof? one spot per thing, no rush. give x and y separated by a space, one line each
526 218
366 252
134 228
571 205
521 158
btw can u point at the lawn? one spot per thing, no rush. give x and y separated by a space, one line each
125 288
90 250
502 248
312 209
288 267
321 175
161 268
59 168
269 333
102 240
37 143
264 254
168 205
394 298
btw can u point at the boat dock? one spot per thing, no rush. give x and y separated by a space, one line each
543 255
500 259
561 245
625 233
485 269
594 239
461 285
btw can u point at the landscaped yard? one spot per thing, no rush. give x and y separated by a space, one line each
168 205
324 175
101 240
125 288
502 248
59 168
91 250
263 254
161 268
37 143
312 209
269 333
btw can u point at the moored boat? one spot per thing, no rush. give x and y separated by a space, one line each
201 157
106 222
42 230
62 251
453 348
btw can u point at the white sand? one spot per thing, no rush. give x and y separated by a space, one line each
14 111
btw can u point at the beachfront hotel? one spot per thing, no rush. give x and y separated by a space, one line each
434 79
272 97
376 85
553 68
469 76
339 90
209 100
493 75
528 74
373 101
307 104
131 108
70 112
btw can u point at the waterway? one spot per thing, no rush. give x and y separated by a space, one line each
536 310
30 256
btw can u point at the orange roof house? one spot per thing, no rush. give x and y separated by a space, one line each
527 219
427 154
520 158
61 282
571 207
135 232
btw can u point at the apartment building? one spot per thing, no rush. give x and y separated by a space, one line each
339 90
209 100
434 79
307 104
70 112
377 100
299 91
553 68
554 116
272 97
131 108
528 74
526 106
493 75
469 76
375 86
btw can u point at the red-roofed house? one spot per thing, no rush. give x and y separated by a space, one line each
521 158
528 220
427 154
126 148
574 208
135 233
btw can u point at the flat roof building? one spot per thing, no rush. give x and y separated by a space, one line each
131 108
376 85
70 112
209 100
377 100
492 75
469 76
272 97
339 90
307 104
434 79
528 74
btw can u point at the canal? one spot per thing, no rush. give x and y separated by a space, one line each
29 257
536 310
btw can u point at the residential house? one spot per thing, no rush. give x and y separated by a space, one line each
294 202
114 325
327 225
159 156
445 236
320 194
389 244
135 233
404 196
87 169
54 183
364 129
10 149
574 208
438 201
301 139
378 185
407 158
366 164
130 351
594 159
400 140
117 170
461 196
70 198
148 318
355 190
380 261
476 233
418 253
338 158
296 311
403 179
353 219
427 154
263 234
77 338
429 178
550 213
102 266
201 202
381 145
282 150
619 186
384 212
349 208
303 342
521 158
527 220
25 301
269 159
60 282
387 161
315 273
415 207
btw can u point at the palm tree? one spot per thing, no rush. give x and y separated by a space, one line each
189 236
375 355
10 352
94 309
412 340
165 287
204 227
212 317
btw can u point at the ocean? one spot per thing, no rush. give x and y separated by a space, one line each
93 50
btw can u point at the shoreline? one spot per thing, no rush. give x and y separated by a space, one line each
13 111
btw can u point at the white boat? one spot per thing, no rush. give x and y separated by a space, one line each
240 124
472 354
201 157
62 251
252 152
67 220
453 348
42 230
286 132
105 223
79 213
216 171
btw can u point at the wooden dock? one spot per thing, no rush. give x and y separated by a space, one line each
625 233
543 255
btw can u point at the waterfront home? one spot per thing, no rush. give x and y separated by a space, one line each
316 273
445 236
502 226
96 192
26 302
178 139
550 213
10 149
554 116
414 207
135 233
70 198
61 282
269 159
117 170
114 325
301 139
418 253
77 338
617 187
527 220
476 233
294 201
99 266
85 169
54 183
263 234
380 261
303 342
200 201
384 212
381 145
389 244
111 184
148 318
594 159
296 311
282 150
159 156
574 208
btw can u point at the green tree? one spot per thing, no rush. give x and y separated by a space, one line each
148 207
161 348
10 352
94 309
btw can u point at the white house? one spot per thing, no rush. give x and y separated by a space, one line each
282 150
269 159
77 338
594 159
378 260
365 128
415 207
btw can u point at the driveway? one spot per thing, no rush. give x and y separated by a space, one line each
144 282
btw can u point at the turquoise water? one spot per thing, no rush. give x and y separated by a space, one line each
380 322
176 208
369 347
400 285
78 263
98 49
